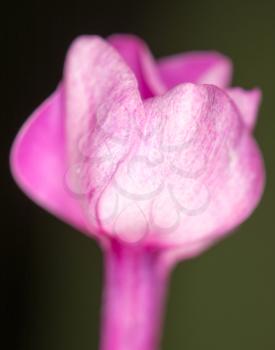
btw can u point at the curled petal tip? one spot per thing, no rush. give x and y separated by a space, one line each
248 103
196 67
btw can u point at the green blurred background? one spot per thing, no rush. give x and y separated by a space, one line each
52 275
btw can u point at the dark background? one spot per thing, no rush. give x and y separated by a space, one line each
51 275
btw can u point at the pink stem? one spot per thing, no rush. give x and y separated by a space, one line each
135 284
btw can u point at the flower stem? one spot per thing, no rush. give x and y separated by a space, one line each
135 285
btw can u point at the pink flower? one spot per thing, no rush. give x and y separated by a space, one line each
155 159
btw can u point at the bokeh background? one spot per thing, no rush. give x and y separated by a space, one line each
50 274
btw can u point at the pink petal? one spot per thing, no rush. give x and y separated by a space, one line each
139 58
209 179
38 163
248 104
216 193
196 67
103 106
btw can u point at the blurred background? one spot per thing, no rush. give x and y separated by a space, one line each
50 274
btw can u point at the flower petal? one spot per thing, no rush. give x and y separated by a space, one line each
201 122
38 162
248 103
139 58
196 67
103 106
